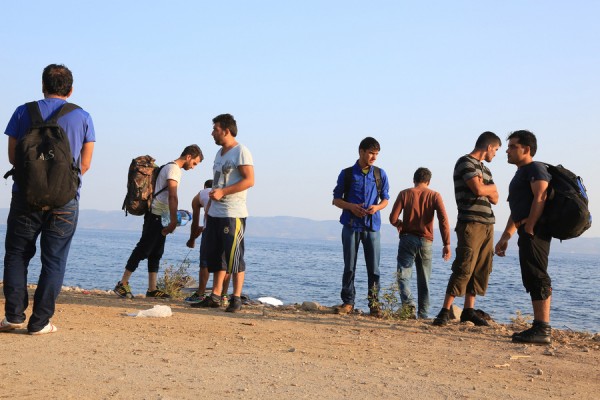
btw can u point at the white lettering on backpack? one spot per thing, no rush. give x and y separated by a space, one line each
49 156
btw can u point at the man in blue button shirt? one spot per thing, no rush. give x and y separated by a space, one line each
361 192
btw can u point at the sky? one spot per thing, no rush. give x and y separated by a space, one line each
307 81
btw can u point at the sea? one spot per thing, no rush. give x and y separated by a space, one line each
295 271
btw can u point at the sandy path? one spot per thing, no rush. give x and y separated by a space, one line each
263 353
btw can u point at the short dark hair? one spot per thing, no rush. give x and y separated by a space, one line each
192 150
57 80
525 138
369 143
208 184
422 175
486 139
226 121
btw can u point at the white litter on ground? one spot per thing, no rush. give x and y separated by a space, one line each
270 300
158 311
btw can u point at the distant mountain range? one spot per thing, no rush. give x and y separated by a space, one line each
297 229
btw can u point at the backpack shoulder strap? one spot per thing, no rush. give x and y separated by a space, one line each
34 113
347 182
65 109
378 181
158 172
36 116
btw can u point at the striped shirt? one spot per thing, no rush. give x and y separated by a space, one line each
470 207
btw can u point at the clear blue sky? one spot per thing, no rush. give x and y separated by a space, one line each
307 80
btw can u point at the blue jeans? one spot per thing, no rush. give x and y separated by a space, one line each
57 227
417 250
372 249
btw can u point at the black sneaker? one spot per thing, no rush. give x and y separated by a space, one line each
208 302
539 333
235 304
442 318
123 291
159 294
468 314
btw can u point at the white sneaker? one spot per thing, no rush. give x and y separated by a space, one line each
9 326
50 328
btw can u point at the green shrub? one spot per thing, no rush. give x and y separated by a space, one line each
175 278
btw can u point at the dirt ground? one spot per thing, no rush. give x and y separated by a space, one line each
282 353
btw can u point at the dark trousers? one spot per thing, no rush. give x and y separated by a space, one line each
151 245
533 258
56 228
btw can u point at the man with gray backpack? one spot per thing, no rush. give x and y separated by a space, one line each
50 145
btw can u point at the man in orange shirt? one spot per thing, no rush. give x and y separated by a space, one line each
416 236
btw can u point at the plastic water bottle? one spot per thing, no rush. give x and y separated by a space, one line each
183 217
165 219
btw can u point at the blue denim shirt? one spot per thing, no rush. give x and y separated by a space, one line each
362 191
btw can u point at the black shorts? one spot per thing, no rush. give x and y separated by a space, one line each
533 257
203 261
223 241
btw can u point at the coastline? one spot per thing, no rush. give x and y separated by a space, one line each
284 352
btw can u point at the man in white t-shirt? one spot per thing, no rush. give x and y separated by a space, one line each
226 222
151 245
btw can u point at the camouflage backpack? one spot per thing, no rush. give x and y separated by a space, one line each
141 182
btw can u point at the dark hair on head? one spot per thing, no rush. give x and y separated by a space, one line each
369 143
525 138
422 175
208 184
192 150
57 80
486 139
226 121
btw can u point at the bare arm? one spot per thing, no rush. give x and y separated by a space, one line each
540 192
444 225
173 204
395 214
12 145
376 207
247 181
195 229
86 156
502 244
480 189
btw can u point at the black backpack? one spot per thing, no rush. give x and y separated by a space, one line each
45 170
141 182
566 212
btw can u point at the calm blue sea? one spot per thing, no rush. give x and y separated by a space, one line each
296 271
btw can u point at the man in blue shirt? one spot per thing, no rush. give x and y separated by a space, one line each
361 192
56 225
